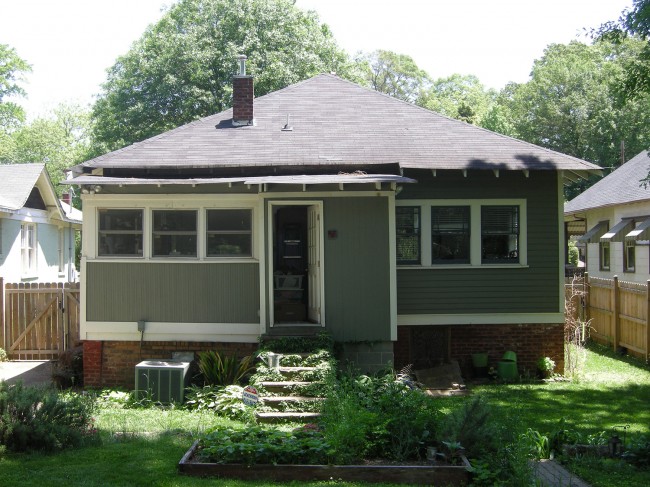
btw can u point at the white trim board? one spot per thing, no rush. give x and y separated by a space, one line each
480 319
164 331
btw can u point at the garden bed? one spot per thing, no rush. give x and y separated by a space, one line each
392 473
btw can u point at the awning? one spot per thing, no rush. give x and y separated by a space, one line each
641 232
351 178
595 233
617 232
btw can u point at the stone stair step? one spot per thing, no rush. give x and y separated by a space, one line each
279 386
279 399
278 416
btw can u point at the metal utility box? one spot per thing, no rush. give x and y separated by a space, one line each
162 381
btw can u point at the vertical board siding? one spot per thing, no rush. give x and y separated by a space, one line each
173 292
357 269
535 289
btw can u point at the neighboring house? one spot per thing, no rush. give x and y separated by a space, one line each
612 219
37 231
408 236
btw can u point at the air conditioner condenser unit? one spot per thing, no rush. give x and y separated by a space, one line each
162 381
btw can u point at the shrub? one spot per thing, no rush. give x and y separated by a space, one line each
3 355
224 370
225 401
314 344
33 418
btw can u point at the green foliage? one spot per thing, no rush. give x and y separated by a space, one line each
378 417
471 426
256 445
546 364
12 69
224 370
293 345
638 452
224 401
181 68
394 74
3 355
574 254
41 419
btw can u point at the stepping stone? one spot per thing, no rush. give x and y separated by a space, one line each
278 416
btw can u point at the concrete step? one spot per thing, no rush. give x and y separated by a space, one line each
278 416
282 386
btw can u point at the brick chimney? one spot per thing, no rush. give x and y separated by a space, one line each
242 96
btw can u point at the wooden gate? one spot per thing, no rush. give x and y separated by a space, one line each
41 320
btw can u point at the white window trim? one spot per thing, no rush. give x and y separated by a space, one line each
475 232
30 271
204 235
113 258
200 231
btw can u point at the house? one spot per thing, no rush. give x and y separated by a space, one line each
611 220
408 236
37 230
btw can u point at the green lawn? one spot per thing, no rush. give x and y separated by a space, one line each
143 447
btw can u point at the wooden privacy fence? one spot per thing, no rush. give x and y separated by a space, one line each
40 320
618 311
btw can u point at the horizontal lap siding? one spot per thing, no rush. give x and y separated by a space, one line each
173 292
357 269
517 290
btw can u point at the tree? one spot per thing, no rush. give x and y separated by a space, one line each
181 68
60 139
634 22
458 96
394 74
12 67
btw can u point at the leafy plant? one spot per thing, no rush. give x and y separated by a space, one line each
225 401
3 355
292 345
471 425
33 418
224 370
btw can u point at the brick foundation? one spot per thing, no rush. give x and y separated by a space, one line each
112 364
528 341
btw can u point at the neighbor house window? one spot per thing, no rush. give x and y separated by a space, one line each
120 233
28 248
61 249
629 255
229 233
174 233
499 234
604 256
408 234
450 234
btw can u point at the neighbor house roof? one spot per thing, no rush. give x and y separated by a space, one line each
335 123
16 183
623 185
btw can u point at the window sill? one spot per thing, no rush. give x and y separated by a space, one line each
28 277
463 266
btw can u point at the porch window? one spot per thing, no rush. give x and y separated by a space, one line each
174 233
604 256
499 234
408 234
629 255
120 233
450 234
28 248
229 233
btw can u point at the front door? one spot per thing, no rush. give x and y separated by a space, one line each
295 283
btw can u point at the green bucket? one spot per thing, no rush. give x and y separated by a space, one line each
509 356
507 371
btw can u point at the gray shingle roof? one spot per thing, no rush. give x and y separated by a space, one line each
16 182
621 186
336 122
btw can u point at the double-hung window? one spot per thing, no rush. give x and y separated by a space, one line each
604 256
500 234
629 256
450 234
28 248
174 233
408 234
120 233
229 233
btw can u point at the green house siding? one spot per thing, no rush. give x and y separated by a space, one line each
534 289
357 268
172 292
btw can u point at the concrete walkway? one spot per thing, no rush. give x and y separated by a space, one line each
30 372
550 473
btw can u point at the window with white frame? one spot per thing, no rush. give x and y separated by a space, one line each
28 248
229 233
450 234
61 249
174 233
499 234
120 232
629 255
604 256
408 234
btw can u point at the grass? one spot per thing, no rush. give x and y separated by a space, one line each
141 447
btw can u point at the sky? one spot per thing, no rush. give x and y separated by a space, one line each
71 43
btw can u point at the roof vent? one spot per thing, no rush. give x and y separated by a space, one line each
242 96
